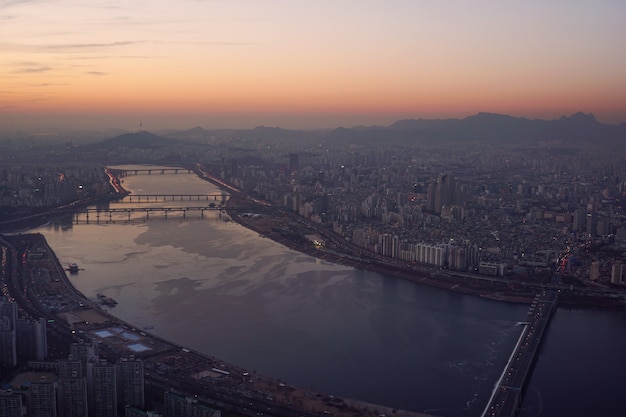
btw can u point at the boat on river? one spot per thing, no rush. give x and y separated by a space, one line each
106 300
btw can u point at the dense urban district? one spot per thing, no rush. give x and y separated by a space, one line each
491 205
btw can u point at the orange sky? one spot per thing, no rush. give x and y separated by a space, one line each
241 63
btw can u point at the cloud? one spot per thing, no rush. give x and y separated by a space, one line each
96 73
89 45
64 46
44 84
30 70
5 4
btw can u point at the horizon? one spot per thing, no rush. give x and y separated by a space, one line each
241 64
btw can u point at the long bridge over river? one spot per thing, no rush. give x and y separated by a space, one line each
150 171
106 214
162 198
506 397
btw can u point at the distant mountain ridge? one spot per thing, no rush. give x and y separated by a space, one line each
490 126
134 140
578 127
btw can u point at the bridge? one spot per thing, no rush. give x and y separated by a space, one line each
149 171
106 214
161 198
507 395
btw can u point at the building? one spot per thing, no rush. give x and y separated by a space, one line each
177 405
594 272
32 342
73 397
617 273
70 368
83 352
10 404
131 411
102 387
8 346
42 399
131 382
293 162
441 193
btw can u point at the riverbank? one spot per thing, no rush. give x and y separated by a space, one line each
289 229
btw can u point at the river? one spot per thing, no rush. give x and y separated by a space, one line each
219 288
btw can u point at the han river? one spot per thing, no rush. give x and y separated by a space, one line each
223 290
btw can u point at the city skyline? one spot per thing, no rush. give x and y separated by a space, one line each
305 65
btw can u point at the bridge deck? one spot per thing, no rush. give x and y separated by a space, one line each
507 395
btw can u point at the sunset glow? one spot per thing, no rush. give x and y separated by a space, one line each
218 63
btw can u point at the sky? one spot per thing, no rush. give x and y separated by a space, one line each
306 64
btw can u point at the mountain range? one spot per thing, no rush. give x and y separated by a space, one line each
577 128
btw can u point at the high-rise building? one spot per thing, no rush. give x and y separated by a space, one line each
617 273
70 368
73 397
8 347
83 352
8 309
31 339
177 405
441 193
131 411
42 399
293 162
102 386
10 404
594 272
131 378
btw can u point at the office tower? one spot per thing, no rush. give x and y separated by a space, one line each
42 399
102 386
31 339
293 162
73 397
10 404
131 378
